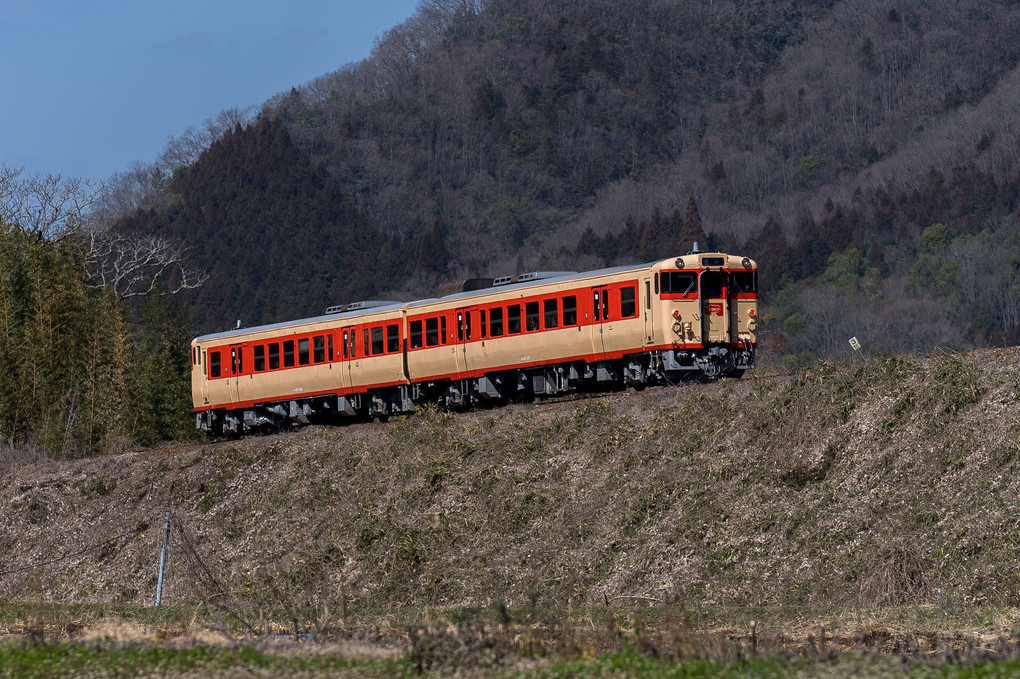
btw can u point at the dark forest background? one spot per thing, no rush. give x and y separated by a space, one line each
865 152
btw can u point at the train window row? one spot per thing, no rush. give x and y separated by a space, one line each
495 321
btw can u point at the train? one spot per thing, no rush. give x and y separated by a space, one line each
482 341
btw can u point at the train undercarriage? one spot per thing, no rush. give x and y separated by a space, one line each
637 371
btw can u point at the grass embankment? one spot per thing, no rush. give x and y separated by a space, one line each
877 499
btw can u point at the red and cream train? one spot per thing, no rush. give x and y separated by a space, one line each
536 334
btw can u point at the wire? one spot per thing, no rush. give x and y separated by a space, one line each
71 555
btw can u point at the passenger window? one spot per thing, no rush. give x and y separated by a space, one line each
442 328
596 307
483 326
214 364
431 332
416 334
329 341
531 316
274 356
345 343
570 310
496 322
319 347
551 314
628 303
368 342
605 305
260 358
513 319
393 338
303 356
288 354
378 343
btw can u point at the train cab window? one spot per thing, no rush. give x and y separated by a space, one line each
682 282
570 310
288 354
744 281
274 356
214 364
431 332
531 316
260 358
496 322
513 319
392 338
319 349
378 341
552 313
416 334
303 356
628 303
713 285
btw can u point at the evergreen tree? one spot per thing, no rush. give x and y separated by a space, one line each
691 231
160 407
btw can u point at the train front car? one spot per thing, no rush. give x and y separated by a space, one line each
706 309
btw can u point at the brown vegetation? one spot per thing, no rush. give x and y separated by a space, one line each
876 483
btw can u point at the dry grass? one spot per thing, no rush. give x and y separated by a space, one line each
887 482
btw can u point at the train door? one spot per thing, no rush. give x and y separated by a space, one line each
715 317
236 371
466 321
600 315
348 354
646 307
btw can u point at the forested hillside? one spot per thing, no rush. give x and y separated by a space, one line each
277 234
865 152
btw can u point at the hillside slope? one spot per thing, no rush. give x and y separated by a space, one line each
878 482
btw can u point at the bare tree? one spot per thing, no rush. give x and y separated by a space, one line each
134 266
49 206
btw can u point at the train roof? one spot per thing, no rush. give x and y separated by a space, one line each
545 278
559 277
389 306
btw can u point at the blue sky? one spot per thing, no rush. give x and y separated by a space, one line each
89 86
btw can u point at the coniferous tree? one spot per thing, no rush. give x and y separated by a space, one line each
159 407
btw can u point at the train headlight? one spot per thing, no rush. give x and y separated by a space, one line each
746 263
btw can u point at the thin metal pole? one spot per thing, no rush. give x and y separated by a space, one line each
162 558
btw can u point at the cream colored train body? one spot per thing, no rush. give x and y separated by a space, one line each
538 334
